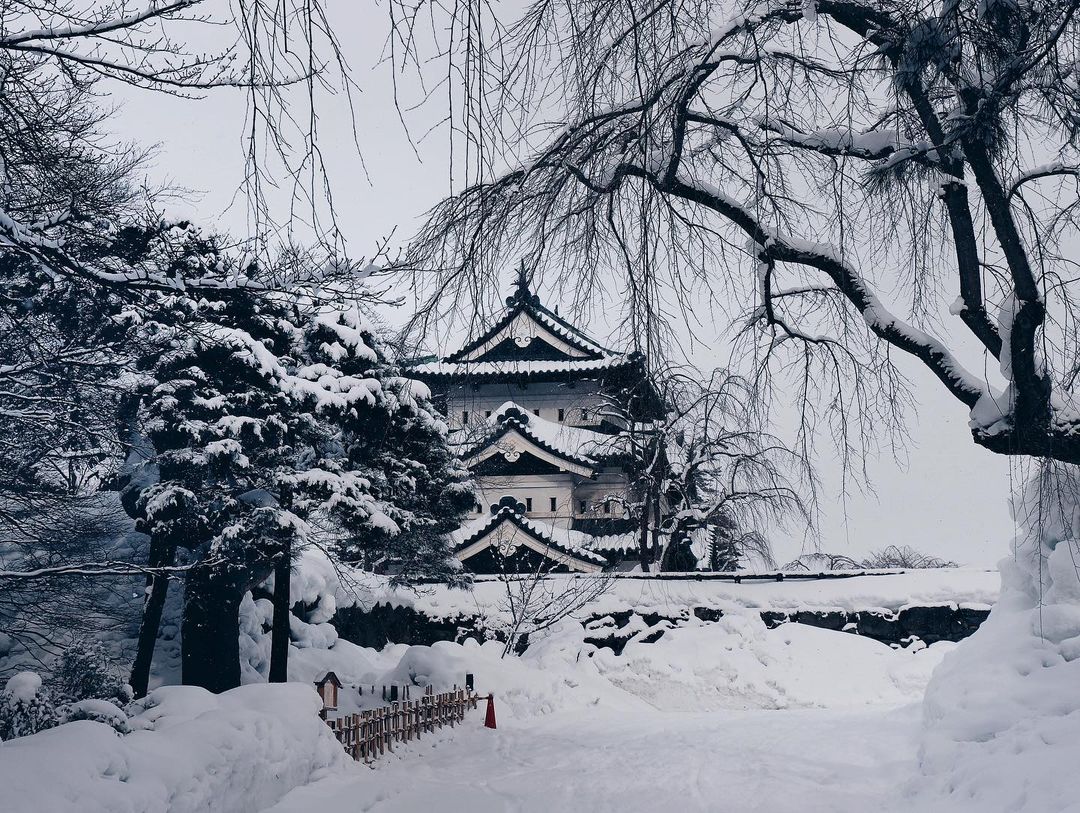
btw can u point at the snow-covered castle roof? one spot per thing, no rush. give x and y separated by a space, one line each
529 342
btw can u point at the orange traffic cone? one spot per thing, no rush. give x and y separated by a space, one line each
489 719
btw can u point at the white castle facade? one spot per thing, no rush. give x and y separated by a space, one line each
530 404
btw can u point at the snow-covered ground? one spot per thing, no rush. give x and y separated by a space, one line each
731 716
713 716
722 715
832 761
711 711
190 752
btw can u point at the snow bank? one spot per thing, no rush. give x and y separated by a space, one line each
1002 714
189 751
738 663
23 686
735 663
949 586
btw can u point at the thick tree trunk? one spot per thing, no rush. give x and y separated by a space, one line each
210 653
279 636
667 560
162 554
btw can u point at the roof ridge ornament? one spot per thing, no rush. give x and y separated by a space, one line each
510 504
522 292
513 412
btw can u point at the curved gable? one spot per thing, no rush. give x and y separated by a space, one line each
507 532
511 444
521 328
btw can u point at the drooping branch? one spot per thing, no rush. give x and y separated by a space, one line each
853 140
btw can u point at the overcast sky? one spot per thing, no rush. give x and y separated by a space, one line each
947 497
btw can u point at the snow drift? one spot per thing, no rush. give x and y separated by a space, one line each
190 752
1002 713
736 663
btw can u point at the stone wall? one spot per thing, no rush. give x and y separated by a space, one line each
384 623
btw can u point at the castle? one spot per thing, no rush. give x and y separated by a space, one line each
540 414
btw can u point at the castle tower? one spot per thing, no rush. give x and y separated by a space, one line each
530 405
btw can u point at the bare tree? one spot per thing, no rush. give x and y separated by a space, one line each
792 159
904 556
58 58
820 561
535 601
706 465
49 596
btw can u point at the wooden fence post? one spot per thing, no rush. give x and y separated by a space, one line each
373 732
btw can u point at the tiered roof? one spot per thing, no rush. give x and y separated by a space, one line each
526 368
573 448
566 547
530 342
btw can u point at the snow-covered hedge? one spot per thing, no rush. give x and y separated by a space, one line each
189 750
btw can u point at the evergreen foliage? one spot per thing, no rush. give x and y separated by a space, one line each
86 672
390 482
26 707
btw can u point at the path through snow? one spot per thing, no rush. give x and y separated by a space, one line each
804 760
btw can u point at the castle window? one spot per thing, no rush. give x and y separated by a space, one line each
528 504
465 416
562 415
487 413
536 412
582 507
584 414
607 506
554 504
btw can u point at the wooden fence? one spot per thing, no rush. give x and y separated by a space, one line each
369 734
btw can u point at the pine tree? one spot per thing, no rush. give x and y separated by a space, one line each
225 427
267 409
724 553
391 483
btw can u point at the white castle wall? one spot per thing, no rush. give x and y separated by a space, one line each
582 404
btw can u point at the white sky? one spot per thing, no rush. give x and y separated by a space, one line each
948 498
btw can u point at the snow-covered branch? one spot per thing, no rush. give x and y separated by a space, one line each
105 568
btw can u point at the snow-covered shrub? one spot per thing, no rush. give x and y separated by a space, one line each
89 685
100 711
1002 712
86 672
26 707
815 562
189 751
905 556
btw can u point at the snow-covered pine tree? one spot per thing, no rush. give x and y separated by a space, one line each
723 553
391 485
266 408
225 425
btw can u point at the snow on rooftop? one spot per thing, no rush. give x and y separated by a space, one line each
572 440
531 367
576 543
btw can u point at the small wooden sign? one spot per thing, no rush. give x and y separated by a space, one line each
327 688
